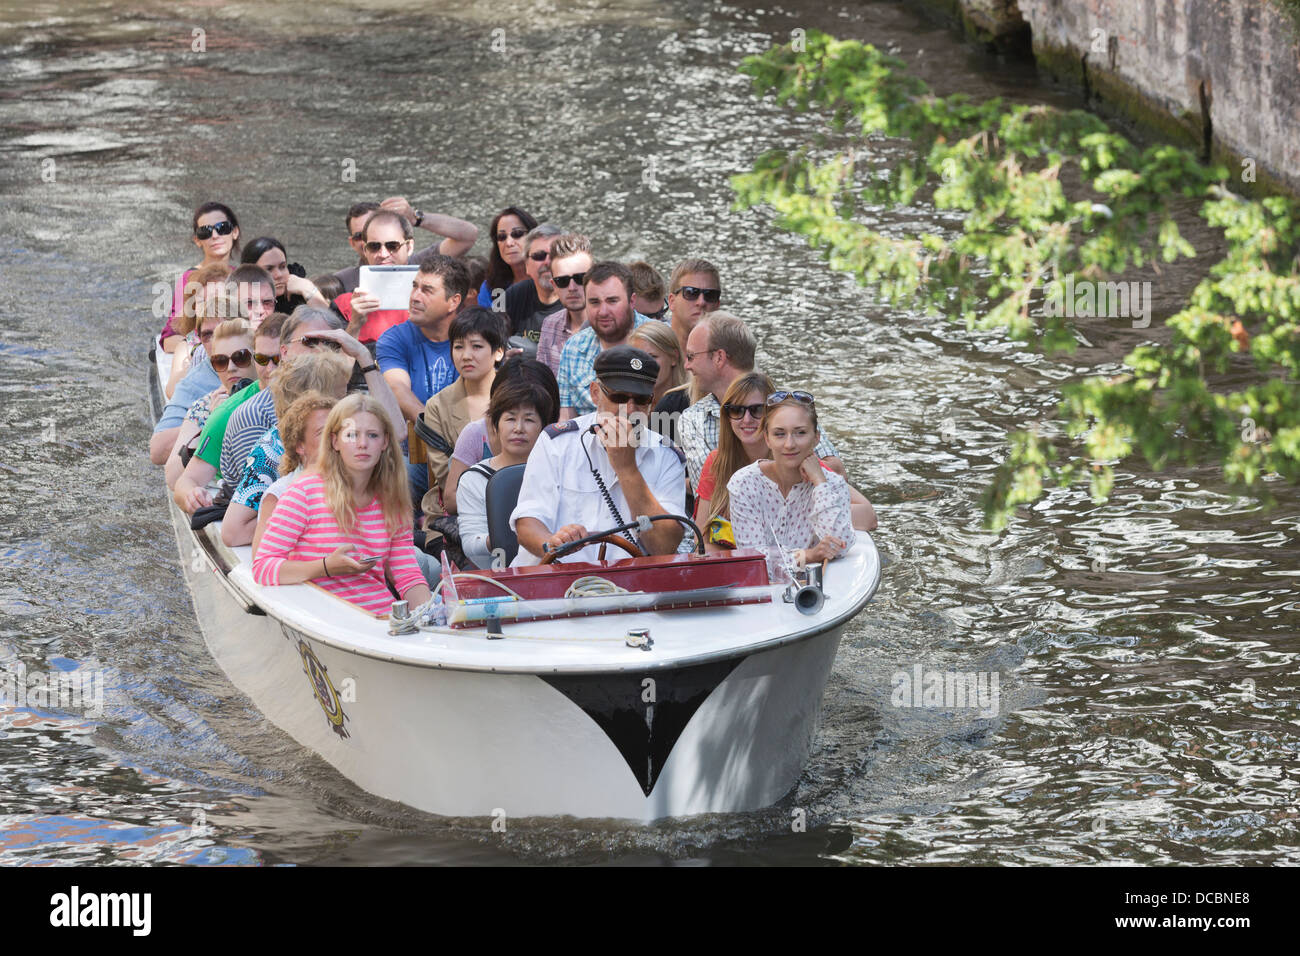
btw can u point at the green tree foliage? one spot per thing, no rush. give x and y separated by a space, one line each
1045 197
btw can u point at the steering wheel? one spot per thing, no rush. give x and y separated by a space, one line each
610 536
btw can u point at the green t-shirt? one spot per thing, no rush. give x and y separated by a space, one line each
214 432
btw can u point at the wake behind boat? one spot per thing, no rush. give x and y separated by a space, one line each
699 704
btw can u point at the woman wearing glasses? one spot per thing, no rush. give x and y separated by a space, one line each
789 505
216 233
506 260
230 352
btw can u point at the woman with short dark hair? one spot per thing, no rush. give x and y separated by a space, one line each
516 416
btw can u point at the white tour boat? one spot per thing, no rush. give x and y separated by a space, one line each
707 706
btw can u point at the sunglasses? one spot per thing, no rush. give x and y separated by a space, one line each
392 245
516 233
737 412
625 398
312 342
357 236
206 337
261 359
690 293
223 228
563 281
803 398
239 359
539 256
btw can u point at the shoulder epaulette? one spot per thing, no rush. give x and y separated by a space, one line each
559 428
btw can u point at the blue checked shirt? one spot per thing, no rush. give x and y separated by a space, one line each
578 368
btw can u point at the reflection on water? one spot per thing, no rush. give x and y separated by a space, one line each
1146 649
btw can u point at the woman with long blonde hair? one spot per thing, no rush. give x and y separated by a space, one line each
345 524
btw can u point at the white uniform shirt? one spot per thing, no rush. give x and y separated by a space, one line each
559 489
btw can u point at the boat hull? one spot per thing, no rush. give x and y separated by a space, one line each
724 736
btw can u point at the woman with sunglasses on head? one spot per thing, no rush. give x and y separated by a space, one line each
230 352
506 264
741 442
216 233
789 505
292 287
345 524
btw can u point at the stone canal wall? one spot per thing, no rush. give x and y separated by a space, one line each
1220 76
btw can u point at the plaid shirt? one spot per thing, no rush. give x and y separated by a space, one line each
697 432
578 368
555 335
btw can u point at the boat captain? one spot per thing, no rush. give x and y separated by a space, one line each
599 471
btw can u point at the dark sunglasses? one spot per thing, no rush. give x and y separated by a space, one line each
624 398
239 359
516 233
803 398
312 342
357 236
539 256
690 293
392 245
261 359
737 412
206 337
223 228
563 281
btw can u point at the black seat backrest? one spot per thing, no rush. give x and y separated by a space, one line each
502 496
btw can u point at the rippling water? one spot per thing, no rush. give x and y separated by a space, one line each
1146 649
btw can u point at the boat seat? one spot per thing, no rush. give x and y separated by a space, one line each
502 495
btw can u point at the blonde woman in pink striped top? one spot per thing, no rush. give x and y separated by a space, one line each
346 523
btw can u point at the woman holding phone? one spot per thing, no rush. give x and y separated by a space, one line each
345 524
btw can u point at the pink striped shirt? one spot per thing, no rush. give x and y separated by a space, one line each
303 528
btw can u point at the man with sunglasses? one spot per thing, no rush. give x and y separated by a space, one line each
457 235
695 291
529 301
584 470
388 241
570 261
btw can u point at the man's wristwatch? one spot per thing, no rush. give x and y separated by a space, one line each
419 218
367 369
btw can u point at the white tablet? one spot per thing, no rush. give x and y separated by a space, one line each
392 284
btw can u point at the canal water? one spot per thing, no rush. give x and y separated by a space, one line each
1145 650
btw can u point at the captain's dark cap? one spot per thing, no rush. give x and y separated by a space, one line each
625 369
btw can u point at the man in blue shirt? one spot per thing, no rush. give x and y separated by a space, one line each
415 355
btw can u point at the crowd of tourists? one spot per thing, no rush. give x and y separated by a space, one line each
354 443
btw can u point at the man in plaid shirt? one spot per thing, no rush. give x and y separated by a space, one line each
610 321
570 260
719 350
